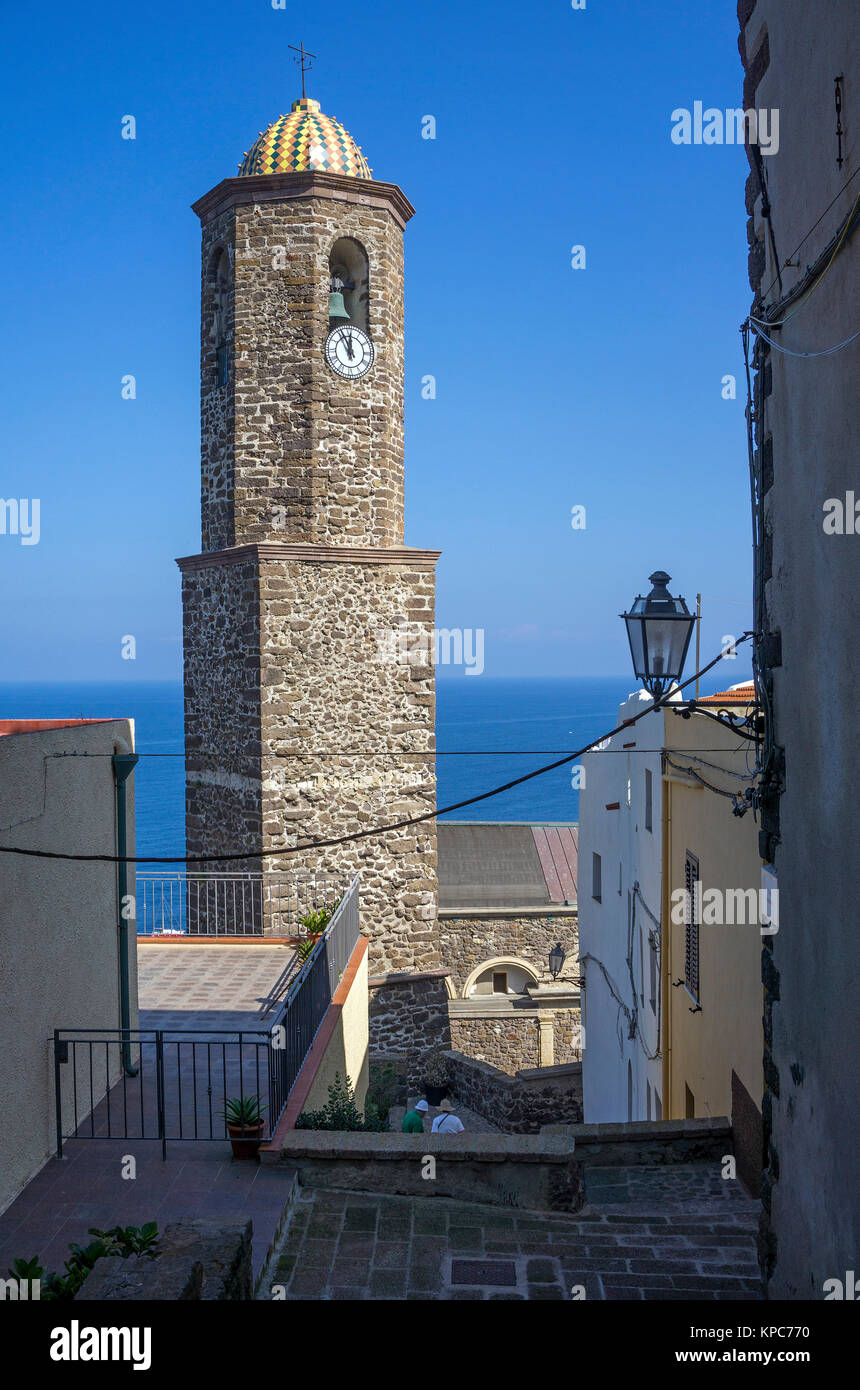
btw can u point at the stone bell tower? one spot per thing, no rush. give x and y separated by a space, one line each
304 718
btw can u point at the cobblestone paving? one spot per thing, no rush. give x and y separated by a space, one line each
675 1233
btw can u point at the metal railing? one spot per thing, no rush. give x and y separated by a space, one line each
148 1083
249 904
310 996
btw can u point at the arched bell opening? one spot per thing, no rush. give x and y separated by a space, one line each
349 284
219 281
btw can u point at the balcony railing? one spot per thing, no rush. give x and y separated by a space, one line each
115 1083
252 904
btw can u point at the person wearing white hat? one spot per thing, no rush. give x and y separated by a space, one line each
446 1122
413 1120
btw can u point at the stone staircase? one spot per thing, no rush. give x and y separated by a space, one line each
674 1232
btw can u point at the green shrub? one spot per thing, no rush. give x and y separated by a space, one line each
342 1113
305 947
119 1240
383 1088
316 921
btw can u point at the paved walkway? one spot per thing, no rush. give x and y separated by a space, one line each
88 1189
658 1234
198 987
218 987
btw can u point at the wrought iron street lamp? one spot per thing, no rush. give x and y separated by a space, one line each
659 629
556 960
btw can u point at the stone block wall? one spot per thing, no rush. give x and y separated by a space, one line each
508 1043
408 1018
291 450
196 1260
221 639
348 740
466 941
519 1104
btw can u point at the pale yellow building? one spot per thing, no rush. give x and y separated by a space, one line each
714 915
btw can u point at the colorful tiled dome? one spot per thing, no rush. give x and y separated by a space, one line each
306 139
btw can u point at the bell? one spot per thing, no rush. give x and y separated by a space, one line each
336 306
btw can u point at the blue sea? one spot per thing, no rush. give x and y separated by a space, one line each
504 727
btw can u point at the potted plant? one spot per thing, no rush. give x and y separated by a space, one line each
243 1116
436 1080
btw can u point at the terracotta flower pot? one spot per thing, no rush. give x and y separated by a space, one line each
245 1141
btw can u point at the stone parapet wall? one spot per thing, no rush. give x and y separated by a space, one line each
531 1172
540 1172
519 1104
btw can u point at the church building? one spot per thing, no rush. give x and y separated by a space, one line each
303 721
308 625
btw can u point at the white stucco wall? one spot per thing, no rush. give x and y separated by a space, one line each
621 839
58 922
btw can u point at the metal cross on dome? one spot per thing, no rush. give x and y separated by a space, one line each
303 54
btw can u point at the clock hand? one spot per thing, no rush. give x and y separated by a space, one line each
349 350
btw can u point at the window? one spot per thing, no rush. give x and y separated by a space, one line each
658 1107
652 971
648 1094
219 290
596 891
221 366
691 925
689 1103
649 803
641 966
500 982
629 1091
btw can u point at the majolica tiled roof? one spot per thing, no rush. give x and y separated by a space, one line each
306 139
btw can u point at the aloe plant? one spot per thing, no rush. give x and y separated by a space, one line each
244 1111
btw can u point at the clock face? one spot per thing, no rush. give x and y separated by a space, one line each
349 351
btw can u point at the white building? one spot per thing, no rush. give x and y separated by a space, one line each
60 959
620 882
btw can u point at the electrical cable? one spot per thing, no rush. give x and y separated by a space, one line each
789 352
667 698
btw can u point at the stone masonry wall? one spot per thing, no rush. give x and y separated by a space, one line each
285 652
408 1018
518 1104
467 941
508 1043
348 742
290 450
221 638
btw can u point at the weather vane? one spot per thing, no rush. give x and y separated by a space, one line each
303 54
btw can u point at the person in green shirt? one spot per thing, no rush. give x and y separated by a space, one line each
413 1120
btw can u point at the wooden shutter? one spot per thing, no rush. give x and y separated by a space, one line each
691 927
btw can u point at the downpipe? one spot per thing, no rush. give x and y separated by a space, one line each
123 766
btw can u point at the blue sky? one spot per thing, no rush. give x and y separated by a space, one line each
555 387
